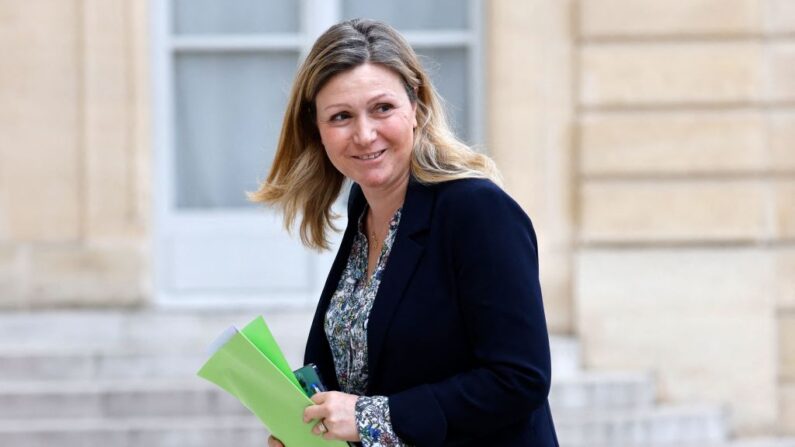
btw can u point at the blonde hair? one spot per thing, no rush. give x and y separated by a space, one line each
303 180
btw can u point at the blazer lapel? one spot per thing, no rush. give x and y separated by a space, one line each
406 252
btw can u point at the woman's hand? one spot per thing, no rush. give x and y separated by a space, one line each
337 414
273 442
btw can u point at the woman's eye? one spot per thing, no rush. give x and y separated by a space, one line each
382 108
339 116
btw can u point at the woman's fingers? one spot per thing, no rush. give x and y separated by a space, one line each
336 415
320 428
273 442
315 412
319 398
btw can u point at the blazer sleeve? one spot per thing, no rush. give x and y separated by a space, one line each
496 273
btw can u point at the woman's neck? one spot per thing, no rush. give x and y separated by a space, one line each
384 202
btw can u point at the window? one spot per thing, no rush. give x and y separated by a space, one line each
229 66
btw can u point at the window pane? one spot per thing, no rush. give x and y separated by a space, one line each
235 16
229 109
449 73
412 14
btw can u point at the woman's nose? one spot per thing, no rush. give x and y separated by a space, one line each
364 133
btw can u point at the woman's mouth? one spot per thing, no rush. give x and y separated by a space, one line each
370 156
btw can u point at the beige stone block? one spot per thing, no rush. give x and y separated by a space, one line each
785 208
81 276
720 281
688 315
109 124
620 211
786 344
670 73
670 17
673 142
5 218
8 256
10 276
556 279
779 16
781 135
786 399
785 278
39 120
780 82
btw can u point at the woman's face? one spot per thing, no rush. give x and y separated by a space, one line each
366 123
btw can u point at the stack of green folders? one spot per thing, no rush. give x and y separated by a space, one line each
249 365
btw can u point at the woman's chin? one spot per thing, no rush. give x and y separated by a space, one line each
380 180
372 182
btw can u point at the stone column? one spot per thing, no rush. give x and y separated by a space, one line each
530 112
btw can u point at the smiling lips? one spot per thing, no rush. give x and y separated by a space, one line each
371 156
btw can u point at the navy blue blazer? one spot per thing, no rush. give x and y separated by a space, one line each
457 337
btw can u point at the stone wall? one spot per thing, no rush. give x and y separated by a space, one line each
74 160
686 195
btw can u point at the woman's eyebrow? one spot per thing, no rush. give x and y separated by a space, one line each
379 97
375 98
331 106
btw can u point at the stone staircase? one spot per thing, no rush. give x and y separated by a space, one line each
128 379
619 408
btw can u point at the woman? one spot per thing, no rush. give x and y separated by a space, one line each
430 329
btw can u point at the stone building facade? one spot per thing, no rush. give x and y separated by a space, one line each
75 156
651 141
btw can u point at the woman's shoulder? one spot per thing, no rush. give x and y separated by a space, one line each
476 210
467 187
471 194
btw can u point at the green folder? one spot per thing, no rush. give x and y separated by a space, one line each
251 366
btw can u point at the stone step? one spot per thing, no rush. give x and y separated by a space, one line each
98 365
742 442
668 425
603 390
148 329
673 426
143 331
131 363
241 431
115 400
566 356
94 345
762 442
193 396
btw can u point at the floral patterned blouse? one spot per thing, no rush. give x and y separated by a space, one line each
346 330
